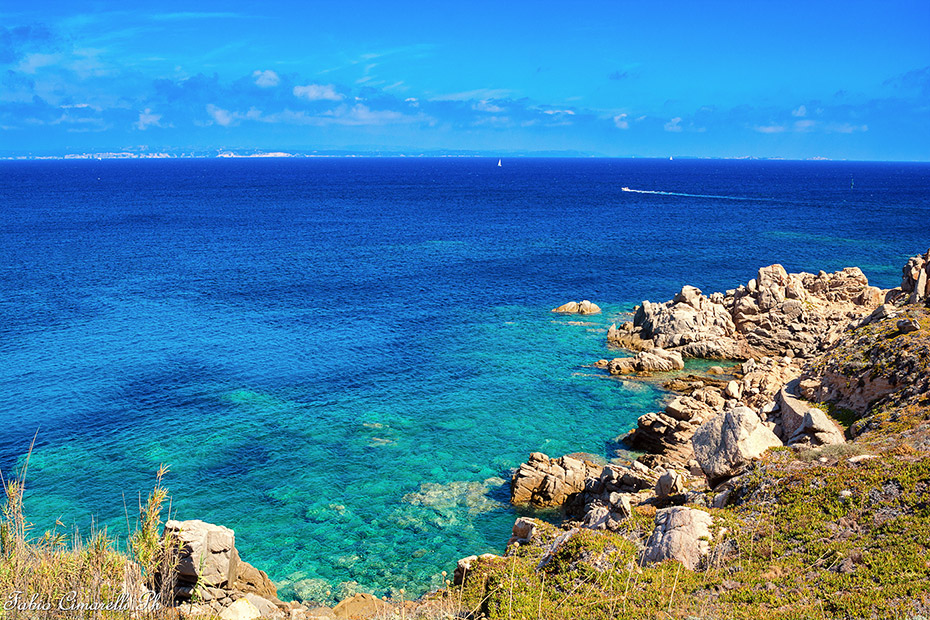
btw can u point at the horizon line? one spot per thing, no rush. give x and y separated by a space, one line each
437 154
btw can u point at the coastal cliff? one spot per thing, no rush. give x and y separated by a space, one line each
794 484
791 481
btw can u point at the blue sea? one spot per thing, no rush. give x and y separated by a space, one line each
343 359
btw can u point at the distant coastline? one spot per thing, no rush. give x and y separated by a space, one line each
377 153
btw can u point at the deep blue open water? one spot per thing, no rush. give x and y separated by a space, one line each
341 359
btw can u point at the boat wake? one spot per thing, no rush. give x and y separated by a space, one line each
649 191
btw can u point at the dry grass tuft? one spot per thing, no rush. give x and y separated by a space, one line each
56 575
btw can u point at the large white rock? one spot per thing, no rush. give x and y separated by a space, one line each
670 483
207 552
818 429
242 609
265 608
792 408
730 440
578 307
681 534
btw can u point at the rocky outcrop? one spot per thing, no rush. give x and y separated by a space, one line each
763 378
817 429
916 278
681 534
881 313
883 360
251 580
360 606
212 579
242 609
543 481
660 434
464 566
669 484
608 516
626 338
777 313
789 415
697 325
797 421
653 360
669 434
578 307
523 531
729 441
207 553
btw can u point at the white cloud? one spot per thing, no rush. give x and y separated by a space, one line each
317 92
800 111
220 116
147 119
266 79
481 94
486 106
355 115
225 118
770 128
805 125
81 106
567 112
492 121
847 128
33 62
363 115
621 121
674 125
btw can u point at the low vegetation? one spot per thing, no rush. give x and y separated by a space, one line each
59 575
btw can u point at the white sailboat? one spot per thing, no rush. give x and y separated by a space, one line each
498 163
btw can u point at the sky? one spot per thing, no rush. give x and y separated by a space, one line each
836 79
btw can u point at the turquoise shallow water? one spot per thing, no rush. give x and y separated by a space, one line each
342 360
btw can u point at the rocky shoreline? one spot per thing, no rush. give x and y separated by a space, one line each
783 332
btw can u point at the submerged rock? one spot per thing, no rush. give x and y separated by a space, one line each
448 498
